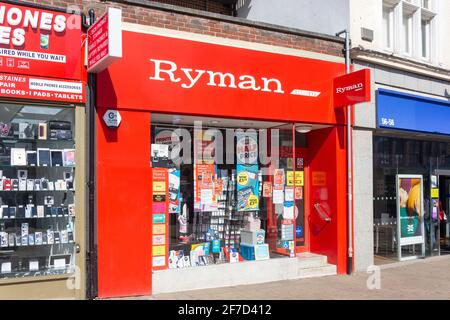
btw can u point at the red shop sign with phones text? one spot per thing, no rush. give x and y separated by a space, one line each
29 87
352 88
40 42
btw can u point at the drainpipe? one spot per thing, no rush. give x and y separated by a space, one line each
92 249
349 161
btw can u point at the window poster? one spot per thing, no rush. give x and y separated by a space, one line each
267 189
174 191
168 138
247 148
204 147
410 209
247 187
204 187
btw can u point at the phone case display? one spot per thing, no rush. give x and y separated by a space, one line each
37 191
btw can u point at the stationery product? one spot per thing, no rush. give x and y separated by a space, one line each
69 157
42 131
28 210
24 229
43 157
15 184
3 239
40 211
31 158
18 157
64 236
11 239
50 239
7 184
31 239
27 130
56 157
23 184
38 238
34 265
5 212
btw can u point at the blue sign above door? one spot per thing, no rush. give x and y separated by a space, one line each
396 110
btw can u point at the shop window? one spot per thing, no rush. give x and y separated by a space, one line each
37 191
235 191
394 158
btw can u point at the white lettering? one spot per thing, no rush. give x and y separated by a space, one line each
192 80
222 77
170 71
4 34
18 37
189 78
46 21
31 19
267 83
14 21
248 82
60 23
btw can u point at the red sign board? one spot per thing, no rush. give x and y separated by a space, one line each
166 74
40 42
38 88
352 88
105 40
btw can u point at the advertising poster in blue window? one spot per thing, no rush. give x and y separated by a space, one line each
247 187
410 209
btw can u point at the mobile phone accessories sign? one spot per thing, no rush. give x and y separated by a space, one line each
105 41
40 42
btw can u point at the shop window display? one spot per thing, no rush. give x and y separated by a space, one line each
227 201
37 190
395 158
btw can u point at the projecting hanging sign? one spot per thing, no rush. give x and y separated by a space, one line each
352 88
105 41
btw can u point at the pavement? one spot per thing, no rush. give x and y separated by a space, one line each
424 279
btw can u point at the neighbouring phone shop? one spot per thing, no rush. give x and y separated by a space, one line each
186 179
42 96
411 176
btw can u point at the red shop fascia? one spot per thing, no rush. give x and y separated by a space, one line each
166 72
41 55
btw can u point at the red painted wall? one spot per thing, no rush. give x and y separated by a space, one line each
124 206
327 185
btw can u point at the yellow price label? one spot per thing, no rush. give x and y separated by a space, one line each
159 186
253 202
242 179
159 250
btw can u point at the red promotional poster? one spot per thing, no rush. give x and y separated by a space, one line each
40 42
352 88
28 87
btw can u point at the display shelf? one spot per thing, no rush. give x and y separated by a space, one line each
14 248
36 218
37 167
15 140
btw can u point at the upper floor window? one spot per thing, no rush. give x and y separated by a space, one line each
409 28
